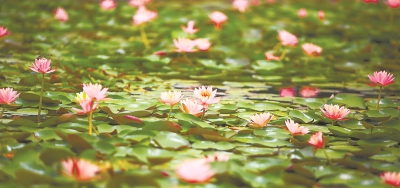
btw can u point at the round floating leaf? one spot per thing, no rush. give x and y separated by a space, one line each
170 140
78 143
162 126
350 101
55 154
213 145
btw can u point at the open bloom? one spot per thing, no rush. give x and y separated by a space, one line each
79 169
317 140
95 91
143 15
206 96
184 45
260 120
3 31
287 92
171 98
8 95
371 1
321 15
270 56
381 78
61 15
218 18
42 65
203 44
295 128
391 178
190 27
108 4
335 112
87 106
302 13
138 3
191 107
217 157
308 92
393 3
195 171
287 39
241 5
311 49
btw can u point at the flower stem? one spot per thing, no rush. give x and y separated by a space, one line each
276 46
333 122
283 54
169 114
204 111
190 62
90 121
144 37
2 111
76 184
379 97
41 98
326 155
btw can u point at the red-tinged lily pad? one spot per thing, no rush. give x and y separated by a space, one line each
126 119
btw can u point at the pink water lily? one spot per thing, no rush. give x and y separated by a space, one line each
203 44
381 78
143 15
42 65
308 92
335 112
260 120
79 169
321 15
3 31
302 13
241 5
317 140
8 95
190 28
61 15
138 3
311 49
184 45
393 3
195 171
108 4
87 107
206 96
295 128
218 18
287 92
171 98
190 106
391 178
371 1
95 91
269 56
287 39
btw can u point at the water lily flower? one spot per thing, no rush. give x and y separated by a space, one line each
42 65
203 44
260 120
269 56
311 49
381 78
321 15
287 92
221 157
171 98
79 169
95 91
8 96
195 171
371 1
184 45
308 92
3 31
190 28
143 15
138 3
393 3
391 178
82 96
317 140
295 128
335 112
87 107
108 4
302 13
61 15
190 106
287 39
206 96
241 5
218 18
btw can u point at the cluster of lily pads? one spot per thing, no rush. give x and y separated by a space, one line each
229 136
